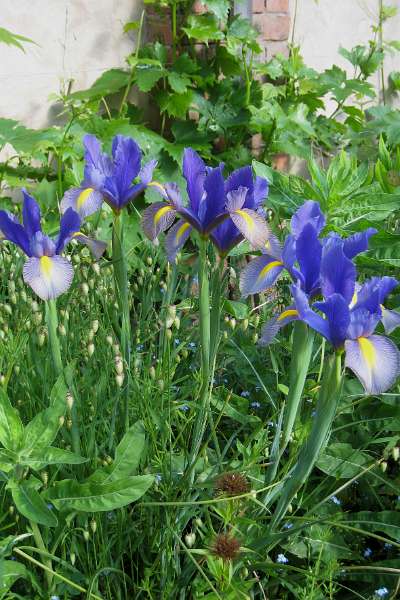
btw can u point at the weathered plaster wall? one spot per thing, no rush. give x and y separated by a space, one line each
76 39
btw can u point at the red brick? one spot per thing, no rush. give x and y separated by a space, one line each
278 6
272 27
258 6
199 7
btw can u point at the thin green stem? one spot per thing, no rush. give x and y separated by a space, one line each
41 546
132 75
122 291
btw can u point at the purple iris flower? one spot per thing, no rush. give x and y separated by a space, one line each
47 272
226 211
301 254
351 317
109 178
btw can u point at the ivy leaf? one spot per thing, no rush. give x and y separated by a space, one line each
203 28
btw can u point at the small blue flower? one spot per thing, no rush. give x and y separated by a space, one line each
184 407
281 558
336 500
54 597
381 592
367 552
288 526
139 347
50 506
255 405
158 478
177 342
192 345
313 413
245 394
387 546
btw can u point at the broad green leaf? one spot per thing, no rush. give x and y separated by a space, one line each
239 310
179 83
38 459
220 8
342 461
42 430
176 105
94 497
231 412
147 73
10 571
386 521
110 82
11 428
127 456
31 504
204 28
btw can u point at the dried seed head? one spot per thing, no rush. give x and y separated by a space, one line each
232 484
69 400
226 546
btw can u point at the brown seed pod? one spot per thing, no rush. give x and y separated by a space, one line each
226 546
232 484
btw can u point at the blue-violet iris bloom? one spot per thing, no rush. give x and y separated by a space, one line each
109 178
226 211
47 272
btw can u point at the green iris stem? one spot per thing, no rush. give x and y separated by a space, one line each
55 349
205 324
327 403
122 291
303 339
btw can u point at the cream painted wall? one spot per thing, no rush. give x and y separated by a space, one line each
76 39
322 26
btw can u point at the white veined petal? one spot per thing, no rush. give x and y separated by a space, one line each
48 276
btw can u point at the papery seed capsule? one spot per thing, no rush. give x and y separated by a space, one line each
23 296
45 477
11 286
383 466
119 365
91 283
86 535
61 420
396 453
90 335
34 306
13 299
190 539
149 261
177 322
28 324
135 287
90 349
109 340
69 399
95 326
245 324
96 268
69 423
152 372
256 320
72 558
116 349
66 315
161 385
61 330
168 333
171 310
232 323
169 321
41 339
17 369
7 308
120 380
226 319
93 525
76 259
85 289
37 318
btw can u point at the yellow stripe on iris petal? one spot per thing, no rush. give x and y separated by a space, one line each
184 227
156 184
83 196
290 312
46 266
246 217
268 267
354 299
161 212
368 351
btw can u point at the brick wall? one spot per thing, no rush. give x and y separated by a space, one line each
272 19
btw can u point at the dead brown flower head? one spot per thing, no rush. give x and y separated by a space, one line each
226 546
232 484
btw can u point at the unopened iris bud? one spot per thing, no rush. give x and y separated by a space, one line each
23 296
76 258
91 283
116 349
185 353
177 359
86 535
90 335
69 399
7 309
93 525
120 380
172 311
169 321
256 320
34 306
152 372
61 330
41 339
37 318
11 286
190 539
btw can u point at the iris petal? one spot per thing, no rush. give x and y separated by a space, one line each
48 276
30 215
176 237
69 224
375 360
338 273
271 328
308 213
260 274
357 243
157 218
337 314
97 247
307 315
390 319
194 171
83 200
14 232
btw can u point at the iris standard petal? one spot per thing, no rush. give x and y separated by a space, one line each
375 360
176 237
212 203
261 189
271 328
362 322
337 314
69 224
308 254
338 274
357 243
92 149
14 232
48 276
260 274
30 215
83 200
308 213
157 218
390 319
306 314
194 171
146 172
